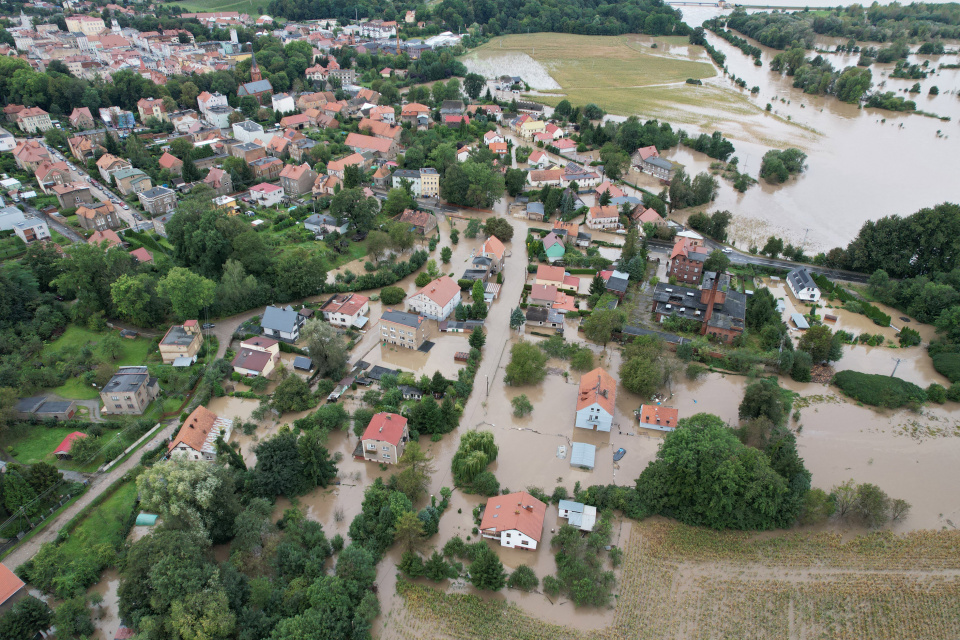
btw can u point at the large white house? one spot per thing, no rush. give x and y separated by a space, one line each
515 519
198 435
802 285
346 310
596 400
437 300
283 103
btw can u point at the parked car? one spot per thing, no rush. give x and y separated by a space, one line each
208 325
125 207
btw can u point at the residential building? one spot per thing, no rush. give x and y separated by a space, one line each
338 167
437 300
266 194
29 154
81 118
379 129
171 163
267 168
87 25
33 120
543 317
129 391
181 341
429 183
283 103
616 282
577 514
720 310
385 438
158 200
542 295
596 400
607 186
73 194
686 261
107 235
648 160
411 111
297 179
492 248
421 222
220 181
218 116
403 329
452 108
248 151
31 230
654 416
141 255
51 173
557 277
97 217
12 589
538 159
9 217
249 131
515 519
131 181
227 204
607 217
207 101
411 176
642 215
7 141
197 438
282 323
385 149
543 177
802 285
321 224
553 246
257 356
493 136
346 310
151 108
108 164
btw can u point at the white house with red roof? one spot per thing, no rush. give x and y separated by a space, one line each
607 217
346 310
553 131
606 185
538 159
492 248
437 300
197 438
258 356
266 194
492 136
515 519
385 438
596 400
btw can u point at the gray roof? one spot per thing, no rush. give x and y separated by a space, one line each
799 320
800 279
570 505
660 162
685 303
29 405
279 319
535 207
178 336
474 274
625 200
407 390
249 125
452 105
254 87
319 219
247 146
543 314
300 362
583 455
483 260
55 406
402 317
127 380
618 282
156 192
9 217
406 174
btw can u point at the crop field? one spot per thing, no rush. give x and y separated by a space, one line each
252 7
681 582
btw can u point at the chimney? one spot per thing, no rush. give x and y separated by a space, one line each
711 298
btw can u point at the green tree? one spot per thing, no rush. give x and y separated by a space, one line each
500 228
477 339
398 200
486 571
515 180
203 615
300 273
187 292
527 364
764 399
293 394
416 466
26 619
392 295
521 406
517 319
523 578
473 84
716 261
445 254
642 376
597 286
327 349
602 323
408 531
110 346
582 360
817 341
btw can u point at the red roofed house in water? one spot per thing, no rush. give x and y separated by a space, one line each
198 435
437 300
385 438
515 519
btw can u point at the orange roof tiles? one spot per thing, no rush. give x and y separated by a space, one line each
514 512
550 274
661 416
597 387
168 161
195 429
343 163
441 291
494 246
609 211
385 427
10 584
360 141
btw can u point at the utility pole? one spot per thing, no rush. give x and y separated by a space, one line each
895 368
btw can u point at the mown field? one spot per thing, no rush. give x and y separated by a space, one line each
681 582
251 7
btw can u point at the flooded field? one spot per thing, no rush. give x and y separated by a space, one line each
514 64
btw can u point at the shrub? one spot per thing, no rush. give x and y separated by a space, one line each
878 390
392 295
817 507
937 393
909 337
521 406
486 484
953 393
695 370
523 578
948 364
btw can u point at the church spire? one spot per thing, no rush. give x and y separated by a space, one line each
255 69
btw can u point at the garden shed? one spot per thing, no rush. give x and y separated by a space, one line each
583 455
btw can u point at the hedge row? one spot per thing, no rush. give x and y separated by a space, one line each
879 390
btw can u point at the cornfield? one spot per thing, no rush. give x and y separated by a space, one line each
683 582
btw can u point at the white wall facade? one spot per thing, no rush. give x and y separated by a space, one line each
594 418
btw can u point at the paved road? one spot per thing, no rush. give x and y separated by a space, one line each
98 485
54 223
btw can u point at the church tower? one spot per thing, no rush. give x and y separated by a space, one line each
255 70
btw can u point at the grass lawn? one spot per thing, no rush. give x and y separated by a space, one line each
103 523
134 351
242 6
36 445
76 389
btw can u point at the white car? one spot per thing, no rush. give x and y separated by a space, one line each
727 250
126 207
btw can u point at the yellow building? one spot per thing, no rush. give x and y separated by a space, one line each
87 25
429 183
531 128
228 204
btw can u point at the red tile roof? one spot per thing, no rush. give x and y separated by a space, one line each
10 584
168 161
599 387
661 416
251 360
142 255
494 246
361 141
441 291
294 172
258 341
108 235
413 109
385 427
195 430
609 211
514 512
343 163
550 274
348 304
68 442
648 152
606 185
543 292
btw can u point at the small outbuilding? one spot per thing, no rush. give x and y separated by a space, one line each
62 452
799 321
578 515
583 455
